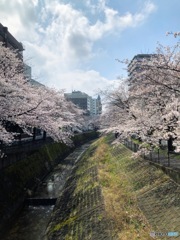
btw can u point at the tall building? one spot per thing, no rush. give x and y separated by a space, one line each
84 101
9 41
135 66
96 106
27 72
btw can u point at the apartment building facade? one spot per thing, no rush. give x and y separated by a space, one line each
91 106
9 40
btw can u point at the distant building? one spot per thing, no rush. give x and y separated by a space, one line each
82 100
96 106
135 66
27 72
85 102
36 83
9 41
28 76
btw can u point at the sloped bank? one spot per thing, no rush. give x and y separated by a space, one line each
25 174
79 213
138 185
110 195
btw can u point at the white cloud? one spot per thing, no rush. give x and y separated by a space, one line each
60 38
19 16
86 81
148 8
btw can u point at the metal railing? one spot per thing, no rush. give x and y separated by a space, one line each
160 156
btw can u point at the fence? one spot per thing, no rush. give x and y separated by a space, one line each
161 156
20 149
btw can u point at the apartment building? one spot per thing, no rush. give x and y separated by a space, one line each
135 66
9 41
91 105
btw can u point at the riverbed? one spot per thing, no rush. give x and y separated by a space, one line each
32 221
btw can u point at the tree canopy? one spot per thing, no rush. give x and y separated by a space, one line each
30 106
151 106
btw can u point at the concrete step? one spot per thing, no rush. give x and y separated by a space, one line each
40 201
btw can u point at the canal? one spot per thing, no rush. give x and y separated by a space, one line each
33 219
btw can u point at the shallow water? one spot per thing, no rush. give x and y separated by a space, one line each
31 224
32 221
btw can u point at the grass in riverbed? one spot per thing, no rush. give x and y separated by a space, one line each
118 191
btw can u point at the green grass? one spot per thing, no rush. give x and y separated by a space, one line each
120 200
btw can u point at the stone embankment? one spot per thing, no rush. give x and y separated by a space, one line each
79 212
158 195
161 206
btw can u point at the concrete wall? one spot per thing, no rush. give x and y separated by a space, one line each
23 175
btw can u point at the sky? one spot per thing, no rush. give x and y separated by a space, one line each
74 44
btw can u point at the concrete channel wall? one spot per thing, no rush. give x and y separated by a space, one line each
24 175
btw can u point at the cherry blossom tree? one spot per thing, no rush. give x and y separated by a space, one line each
28 106
156 85
152 107
117 111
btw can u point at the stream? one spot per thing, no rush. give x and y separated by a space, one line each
33 219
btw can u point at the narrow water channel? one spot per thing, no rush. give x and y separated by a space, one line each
32 221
